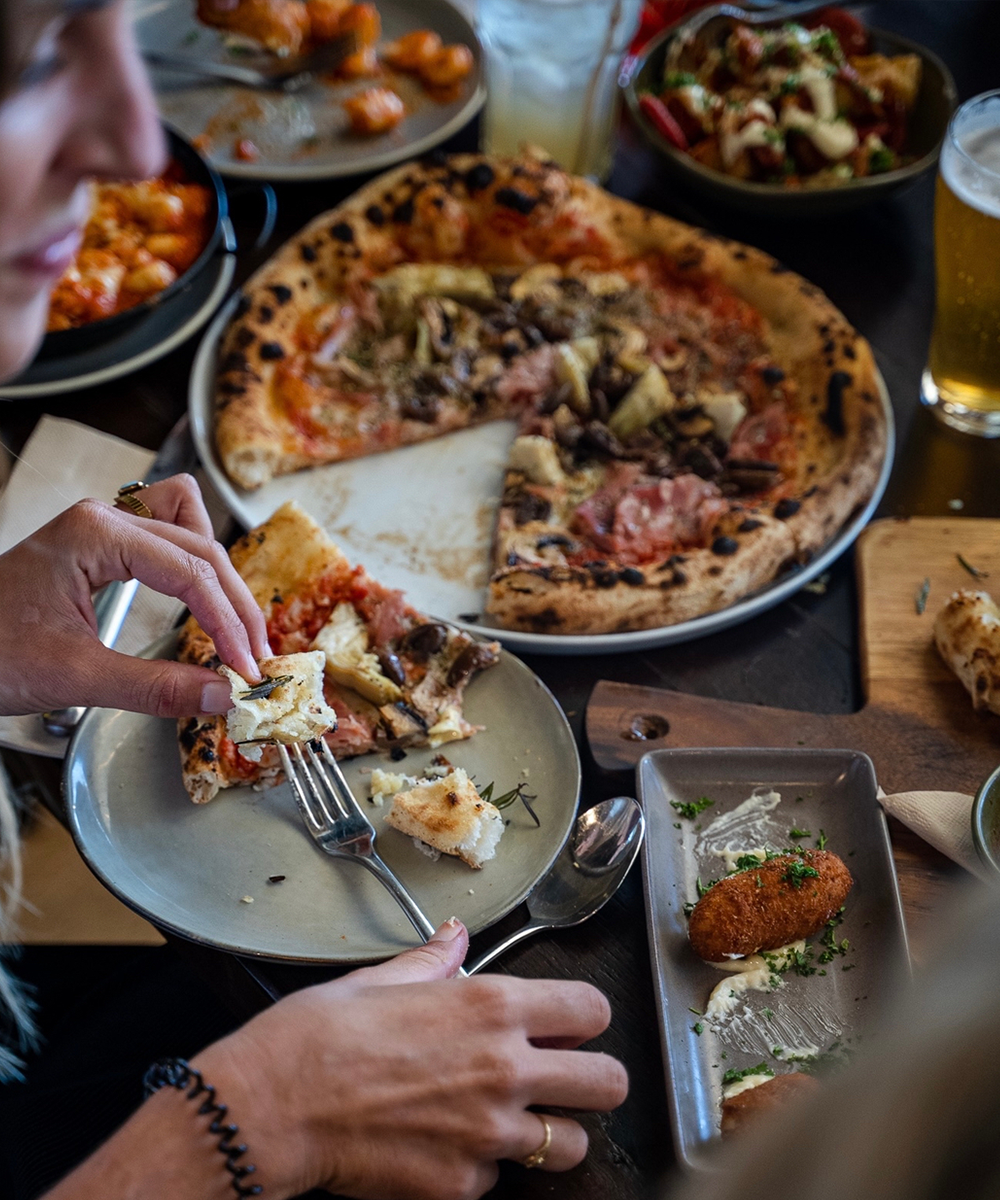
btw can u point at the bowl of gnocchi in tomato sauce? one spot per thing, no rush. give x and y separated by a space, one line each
144 241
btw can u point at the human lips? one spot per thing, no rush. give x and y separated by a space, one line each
52 256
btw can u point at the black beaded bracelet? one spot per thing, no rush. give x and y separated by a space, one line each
177 1073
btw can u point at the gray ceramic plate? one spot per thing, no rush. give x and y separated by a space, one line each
828 790
928 122
186 867
304 135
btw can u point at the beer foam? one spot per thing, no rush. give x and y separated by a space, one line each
976 182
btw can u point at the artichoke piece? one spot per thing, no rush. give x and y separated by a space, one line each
725 410
538 281
648 398
344 641
574 362
605 283
410 280
537 458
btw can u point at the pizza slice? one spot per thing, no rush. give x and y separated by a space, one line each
393 677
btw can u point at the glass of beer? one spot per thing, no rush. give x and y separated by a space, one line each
962 381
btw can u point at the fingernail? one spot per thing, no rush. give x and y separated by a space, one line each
447 932
216 697
268 652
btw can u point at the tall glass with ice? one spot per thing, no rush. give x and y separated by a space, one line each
552 77
962 380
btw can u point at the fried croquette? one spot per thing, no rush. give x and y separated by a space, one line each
745 1107
788 897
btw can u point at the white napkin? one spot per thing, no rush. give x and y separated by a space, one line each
63 462
944 819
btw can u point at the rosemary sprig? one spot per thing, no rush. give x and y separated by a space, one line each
975 572
261 691
920 599
508 798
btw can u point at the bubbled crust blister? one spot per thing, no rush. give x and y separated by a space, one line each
763 909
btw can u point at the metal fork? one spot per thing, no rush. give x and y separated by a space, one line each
288 75
337 823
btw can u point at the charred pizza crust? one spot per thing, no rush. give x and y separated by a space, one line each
513 213
300 578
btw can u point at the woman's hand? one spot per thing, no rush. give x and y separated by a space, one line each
403 1083
51 656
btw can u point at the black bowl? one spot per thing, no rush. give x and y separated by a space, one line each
927 124
62 342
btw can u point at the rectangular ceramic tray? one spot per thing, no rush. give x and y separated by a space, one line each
829 790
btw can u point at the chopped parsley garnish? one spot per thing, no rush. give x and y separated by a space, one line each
747 862
799 833
825 42
768 1013
697 1012
759 881
821 841
791 83
678 79
692 808
797 872
734 1076
698 1028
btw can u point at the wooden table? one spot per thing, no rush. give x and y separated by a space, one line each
877 266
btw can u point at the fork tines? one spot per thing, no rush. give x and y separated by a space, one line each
318 784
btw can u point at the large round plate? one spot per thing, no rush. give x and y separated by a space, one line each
304 135
421 518
187 867
166 327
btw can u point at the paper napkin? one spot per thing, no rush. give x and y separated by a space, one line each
944 819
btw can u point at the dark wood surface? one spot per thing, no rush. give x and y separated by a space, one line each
876 265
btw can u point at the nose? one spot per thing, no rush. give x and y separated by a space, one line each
117 132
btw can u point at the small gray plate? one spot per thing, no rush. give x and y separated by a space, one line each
186 867
304 135
829 790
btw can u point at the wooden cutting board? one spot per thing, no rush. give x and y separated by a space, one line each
917 724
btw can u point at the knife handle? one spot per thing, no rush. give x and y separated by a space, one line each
111 607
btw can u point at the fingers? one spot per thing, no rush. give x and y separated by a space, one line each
196 570
567 1147
178 501
554 1008
439 958
578 1079
165 689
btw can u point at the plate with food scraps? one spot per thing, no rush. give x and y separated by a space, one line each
305 134
799 1009
422 517
242 874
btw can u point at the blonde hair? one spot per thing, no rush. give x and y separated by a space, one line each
16 1005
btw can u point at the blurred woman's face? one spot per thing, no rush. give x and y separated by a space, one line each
77 106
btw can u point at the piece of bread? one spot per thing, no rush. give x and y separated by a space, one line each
967 634
295 711
449 815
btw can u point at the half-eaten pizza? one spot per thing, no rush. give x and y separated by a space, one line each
693 417
392 677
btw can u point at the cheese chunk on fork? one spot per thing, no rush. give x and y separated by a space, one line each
294 711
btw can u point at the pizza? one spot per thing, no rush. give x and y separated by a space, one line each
692 417
392 677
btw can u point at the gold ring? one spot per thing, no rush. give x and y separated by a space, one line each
537 1157
127 498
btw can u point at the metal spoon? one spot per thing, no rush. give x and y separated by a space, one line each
585 876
